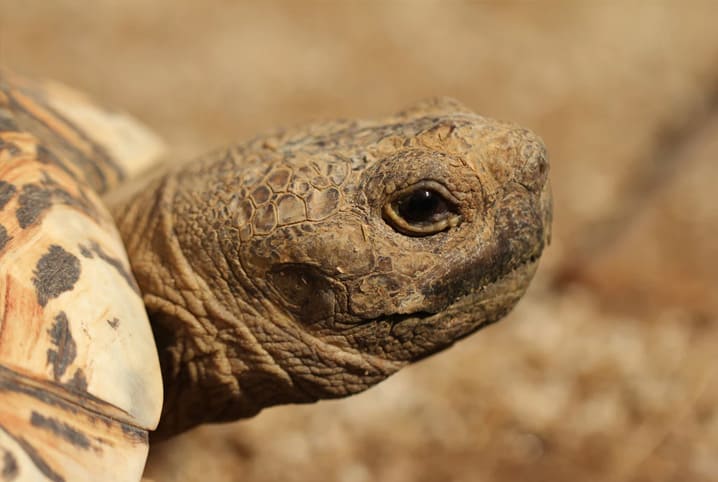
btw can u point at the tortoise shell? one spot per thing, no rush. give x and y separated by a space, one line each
80 380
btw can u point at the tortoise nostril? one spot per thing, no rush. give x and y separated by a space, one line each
534 172
543 167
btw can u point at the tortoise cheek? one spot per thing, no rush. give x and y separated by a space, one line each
306 292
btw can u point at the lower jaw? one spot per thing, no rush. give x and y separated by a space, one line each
427 333
502 293
404 338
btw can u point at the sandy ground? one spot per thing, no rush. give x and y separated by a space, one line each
606 370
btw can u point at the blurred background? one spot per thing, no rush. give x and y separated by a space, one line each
606 371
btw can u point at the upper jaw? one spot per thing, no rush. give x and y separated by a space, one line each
425 333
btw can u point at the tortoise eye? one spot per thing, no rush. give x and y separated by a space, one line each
422 209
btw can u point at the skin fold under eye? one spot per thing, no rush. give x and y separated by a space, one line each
422 209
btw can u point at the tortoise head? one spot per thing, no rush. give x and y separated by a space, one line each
386 242
345 250
394 240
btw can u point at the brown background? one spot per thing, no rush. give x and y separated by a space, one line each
606 371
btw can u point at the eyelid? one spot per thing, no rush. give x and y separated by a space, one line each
400 224
426 184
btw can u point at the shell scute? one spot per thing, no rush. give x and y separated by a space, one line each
80 383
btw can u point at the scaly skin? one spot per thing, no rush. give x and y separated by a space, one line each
272 273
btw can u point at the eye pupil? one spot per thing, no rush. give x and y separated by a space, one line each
423 209
420 206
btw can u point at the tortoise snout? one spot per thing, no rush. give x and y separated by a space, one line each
533 174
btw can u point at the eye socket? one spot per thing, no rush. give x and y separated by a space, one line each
422 209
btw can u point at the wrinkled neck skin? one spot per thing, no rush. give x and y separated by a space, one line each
226 353
272 275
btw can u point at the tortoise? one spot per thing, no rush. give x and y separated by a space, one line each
307 263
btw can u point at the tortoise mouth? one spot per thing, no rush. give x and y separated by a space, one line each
397 318
408 337
513 283
470 311
506 290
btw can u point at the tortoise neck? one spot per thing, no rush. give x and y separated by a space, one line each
213 367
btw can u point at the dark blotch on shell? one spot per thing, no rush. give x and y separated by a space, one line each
33 201
85 251
60 429
66 350
6 123
4 237
10 468
78 382
7 191
56 272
